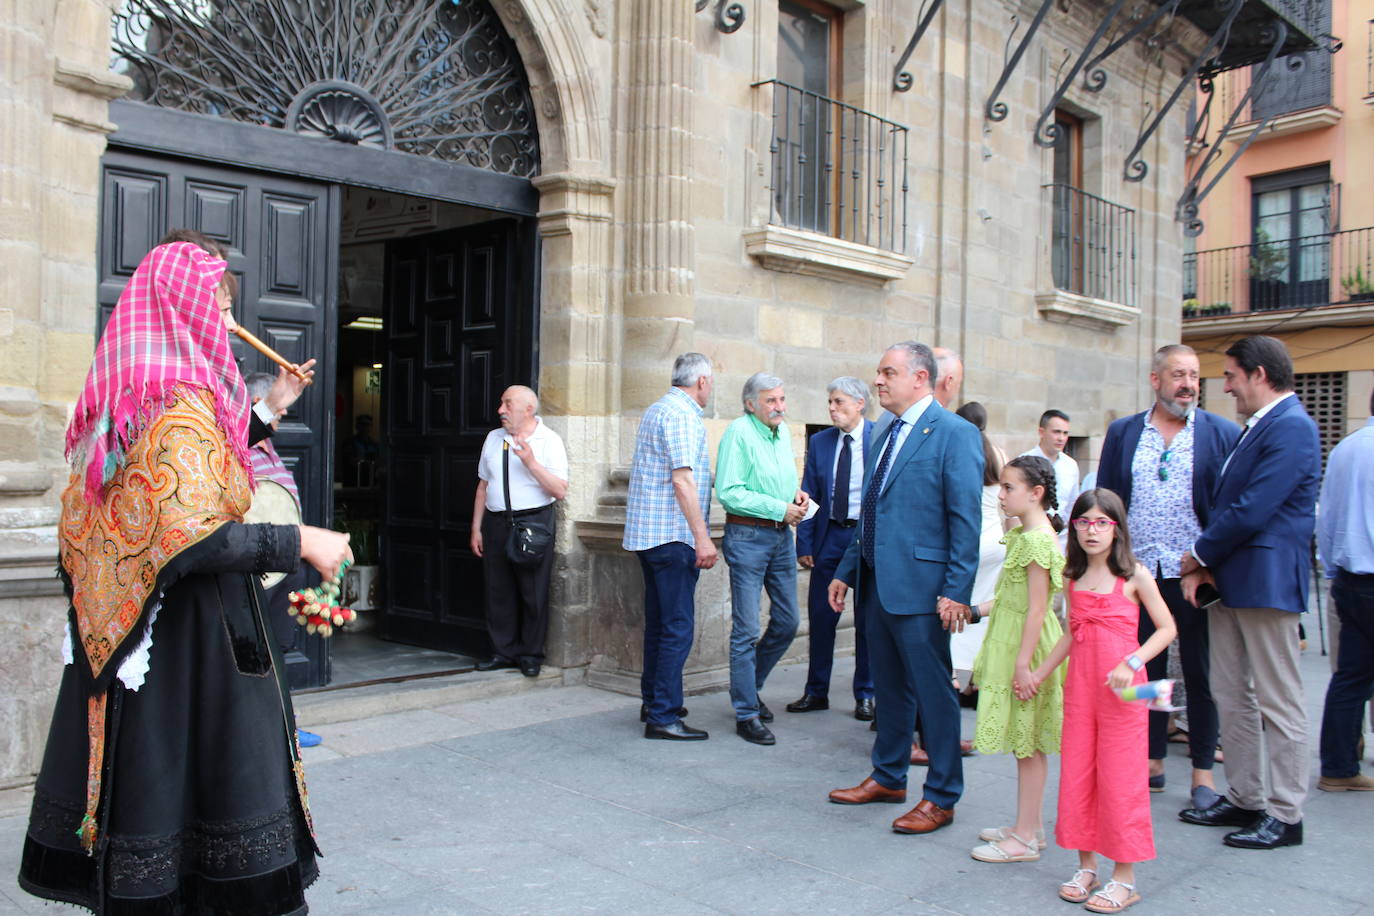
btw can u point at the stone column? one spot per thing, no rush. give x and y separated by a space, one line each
660 262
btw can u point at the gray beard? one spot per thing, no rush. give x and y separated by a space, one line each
1183 413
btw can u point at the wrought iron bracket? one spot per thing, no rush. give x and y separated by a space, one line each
994 110
901 78
728 16
1194 192
1135 168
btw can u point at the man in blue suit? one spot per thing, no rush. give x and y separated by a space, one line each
1164 464
912 567
834 471
1256 550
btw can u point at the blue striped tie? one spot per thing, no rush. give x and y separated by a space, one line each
870 504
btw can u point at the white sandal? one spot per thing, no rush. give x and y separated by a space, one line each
1085 888
991 852
998 834
1111 905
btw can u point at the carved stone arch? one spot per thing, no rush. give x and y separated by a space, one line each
552 41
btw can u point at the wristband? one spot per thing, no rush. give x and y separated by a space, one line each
1133 662
973 614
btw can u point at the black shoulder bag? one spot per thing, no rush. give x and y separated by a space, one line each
529 541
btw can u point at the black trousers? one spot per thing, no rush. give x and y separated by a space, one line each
517 598
1194 650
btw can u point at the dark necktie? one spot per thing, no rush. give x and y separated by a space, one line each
839 499
869 510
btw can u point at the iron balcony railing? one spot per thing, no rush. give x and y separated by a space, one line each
837 169
1294 83
1093 248
1311 271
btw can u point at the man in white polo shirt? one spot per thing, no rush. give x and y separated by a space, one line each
527 458
1054 436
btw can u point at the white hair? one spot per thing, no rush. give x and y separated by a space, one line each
259 383
759 381
852 388
689 368
918 356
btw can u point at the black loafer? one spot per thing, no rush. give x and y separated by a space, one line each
1266 833
807 703
675 731
765 713
529 667
863 710
1222 814
496 662
755 732
644 712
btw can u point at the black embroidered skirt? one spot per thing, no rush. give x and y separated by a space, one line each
200 811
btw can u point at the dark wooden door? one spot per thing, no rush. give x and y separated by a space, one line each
458 331
282 240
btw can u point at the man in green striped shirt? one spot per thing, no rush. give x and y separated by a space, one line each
756 482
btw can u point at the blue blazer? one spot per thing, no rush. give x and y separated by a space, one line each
928 517
1258 538
1213 439
818 479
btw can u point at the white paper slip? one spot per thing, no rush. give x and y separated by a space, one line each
812 507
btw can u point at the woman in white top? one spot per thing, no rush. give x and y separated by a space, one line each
991 551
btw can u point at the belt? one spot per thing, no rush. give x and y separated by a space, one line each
519 513
846 523
1342 571
751 520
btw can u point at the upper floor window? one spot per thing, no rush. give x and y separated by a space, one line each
1309 86
1290 257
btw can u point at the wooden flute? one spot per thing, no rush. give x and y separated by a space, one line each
271 354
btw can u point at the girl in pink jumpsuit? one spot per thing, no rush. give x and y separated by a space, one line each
1104 798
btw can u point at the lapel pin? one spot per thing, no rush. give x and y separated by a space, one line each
926 431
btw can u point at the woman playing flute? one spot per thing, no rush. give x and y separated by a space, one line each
171 782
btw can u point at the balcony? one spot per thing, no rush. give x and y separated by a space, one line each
837 190
1314 280
1296 97
1092 260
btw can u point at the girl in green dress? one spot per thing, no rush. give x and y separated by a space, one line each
1016 713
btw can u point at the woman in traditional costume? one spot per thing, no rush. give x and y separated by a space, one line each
171 782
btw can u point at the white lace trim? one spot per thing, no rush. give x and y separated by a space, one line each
134 670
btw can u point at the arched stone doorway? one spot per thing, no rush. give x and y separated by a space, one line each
271 124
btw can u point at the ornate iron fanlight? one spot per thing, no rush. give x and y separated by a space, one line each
437 78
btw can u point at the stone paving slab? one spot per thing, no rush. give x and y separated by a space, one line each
550 801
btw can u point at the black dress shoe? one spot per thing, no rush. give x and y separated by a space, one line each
1266 833
765 713
807 703
755 732
675 731
529 666
1221 814
863 710
644 712
495 663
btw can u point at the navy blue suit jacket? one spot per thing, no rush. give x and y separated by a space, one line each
818 480
1213 439
1258 537
929 514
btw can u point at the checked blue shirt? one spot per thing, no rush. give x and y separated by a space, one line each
671 435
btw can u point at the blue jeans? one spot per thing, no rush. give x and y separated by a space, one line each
1353 683
670 582
759 558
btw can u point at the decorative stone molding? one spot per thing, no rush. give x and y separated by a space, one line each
1294 123
795 251
1361 313
565 197
607 530
1085 311
89 90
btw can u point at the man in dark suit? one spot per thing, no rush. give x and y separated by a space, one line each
834 471
912 567
1256 550
1163 463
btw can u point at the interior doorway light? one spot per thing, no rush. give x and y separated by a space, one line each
365 323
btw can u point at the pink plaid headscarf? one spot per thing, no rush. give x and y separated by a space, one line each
165 332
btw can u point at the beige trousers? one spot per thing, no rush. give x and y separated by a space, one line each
1258 691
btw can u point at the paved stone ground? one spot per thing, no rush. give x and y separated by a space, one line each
551 802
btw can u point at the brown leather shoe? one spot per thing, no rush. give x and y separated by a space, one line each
868 791
924 818
919 758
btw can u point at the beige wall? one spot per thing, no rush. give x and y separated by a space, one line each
655 165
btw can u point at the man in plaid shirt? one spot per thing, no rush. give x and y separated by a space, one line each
666 524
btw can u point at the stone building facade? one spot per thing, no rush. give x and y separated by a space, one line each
663 224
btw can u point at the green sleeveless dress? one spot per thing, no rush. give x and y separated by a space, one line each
1006 724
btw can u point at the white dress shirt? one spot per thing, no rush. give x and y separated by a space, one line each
525 491
856 467
910 418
